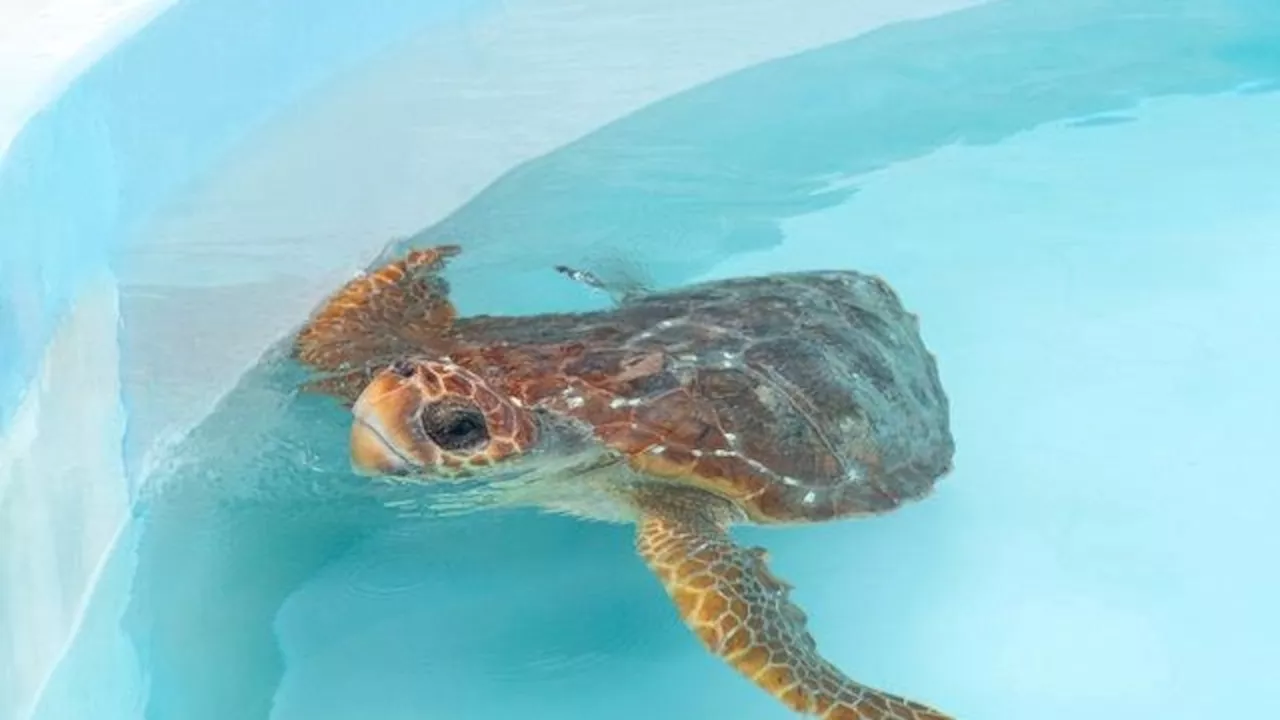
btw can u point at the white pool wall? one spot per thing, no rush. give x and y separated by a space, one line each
44 45
49 497
62 495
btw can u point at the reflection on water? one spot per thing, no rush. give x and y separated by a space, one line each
257 535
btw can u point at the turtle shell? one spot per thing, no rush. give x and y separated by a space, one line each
800 397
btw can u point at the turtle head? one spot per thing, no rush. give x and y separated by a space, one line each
432 419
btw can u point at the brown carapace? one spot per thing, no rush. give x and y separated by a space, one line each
783 399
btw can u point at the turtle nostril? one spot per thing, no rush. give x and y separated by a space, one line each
403 368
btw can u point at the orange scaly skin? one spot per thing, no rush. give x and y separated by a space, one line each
338 337
740 610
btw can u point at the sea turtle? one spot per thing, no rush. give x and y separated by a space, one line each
790 398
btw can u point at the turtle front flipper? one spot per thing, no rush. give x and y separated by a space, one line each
402 308
741 612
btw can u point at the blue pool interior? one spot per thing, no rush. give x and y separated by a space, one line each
1079 202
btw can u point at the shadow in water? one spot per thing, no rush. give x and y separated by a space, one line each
259 499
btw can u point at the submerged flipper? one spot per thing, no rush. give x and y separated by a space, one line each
741 612
399 309
622 290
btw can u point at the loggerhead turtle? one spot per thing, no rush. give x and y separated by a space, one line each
791 398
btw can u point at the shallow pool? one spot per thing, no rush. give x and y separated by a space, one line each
1078 200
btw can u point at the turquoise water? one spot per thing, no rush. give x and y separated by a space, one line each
1080 203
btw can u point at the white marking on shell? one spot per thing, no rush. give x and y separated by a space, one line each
658 449
575 401
730 438
809 497
516 401
788 480
695 452
667 324
724 453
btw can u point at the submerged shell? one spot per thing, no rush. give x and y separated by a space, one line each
801 397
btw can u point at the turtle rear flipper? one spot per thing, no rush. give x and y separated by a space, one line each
623 287
741 612
399 309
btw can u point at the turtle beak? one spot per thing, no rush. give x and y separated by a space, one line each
377 413
372 455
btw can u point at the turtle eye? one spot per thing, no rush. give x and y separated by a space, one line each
453 427
402 368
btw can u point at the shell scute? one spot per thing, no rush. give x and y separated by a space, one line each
678 418
628 438
804 397
768 427
627 374
737 475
